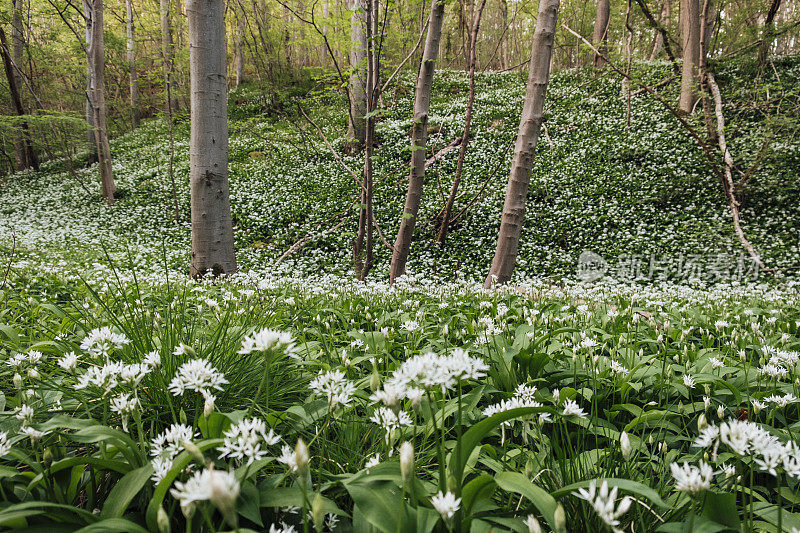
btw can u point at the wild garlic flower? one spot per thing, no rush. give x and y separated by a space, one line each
269 339
446 504
389 420
5 446
571 407
296 460
24 413
430 370
245 441
104 377
334 386
132 375
69 361
161 467
690 478
390 395
125 406
197 375
604 501
283 528
102 341
34 434
373 461
217 486
170 443
688 381
152 359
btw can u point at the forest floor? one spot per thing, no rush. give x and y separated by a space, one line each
640 195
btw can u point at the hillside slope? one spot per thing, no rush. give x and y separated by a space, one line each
597 185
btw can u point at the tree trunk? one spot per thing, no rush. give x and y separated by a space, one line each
513 216
90 134
168 56
356 125
448 206
212 228
239 48
690 36
419 140
766 40
133 77
23 148
96 56
600 37
658 42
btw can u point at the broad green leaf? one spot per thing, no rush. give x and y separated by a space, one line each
519 484
125 491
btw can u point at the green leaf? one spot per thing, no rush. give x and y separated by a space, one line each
380 502
721 507
113 525
518 483
125 491
482 487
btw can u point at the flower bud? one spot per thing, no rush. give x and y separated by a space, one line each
625 445
192 449
533 524
163 521
17 381
318 513
701 422
560 519
406 460
301 458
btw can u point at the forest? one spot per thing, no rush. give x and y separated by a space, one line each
398 266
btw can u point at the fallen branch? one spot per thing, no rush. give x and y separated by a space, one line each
455 143
727 167
662 83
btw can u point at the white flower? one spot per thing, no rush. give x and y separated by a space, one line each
533 524
269 339
104 377
618 368
390 395
24 413
603 503
245 440
216 486
5 446
334 386
773 371
296 460
690 478
283 528
571 408
716 363
102 341
387 419
410 326
69 361
446 504
197 375
373 461
125 406
170 443
132 375
161 467
34 434
688 381
152 359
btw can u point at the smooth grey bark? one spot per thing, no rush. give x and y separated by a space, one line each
600 35
513 216
96 57
690 71
168 55
23 149
133 78
356 125
90 134
419 141
212 228
766 40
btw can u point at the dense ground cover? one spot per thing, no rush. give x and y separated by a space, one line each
596 184
135 401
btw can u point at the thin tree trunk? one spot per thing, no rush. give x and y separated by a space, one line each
419 140
766 40
600 36
212 228
239 48
90 134
131 49
448 206
23 147
658 41
705 36
690 35
96 55
168 54
513 217
356 125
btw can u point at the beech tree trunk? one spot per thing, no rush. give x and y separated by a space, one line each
356 125
24 153
419 141
132 74
664 20
239 50
168 53
212 228
600 36
505 255
90 134
690 36
96 56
